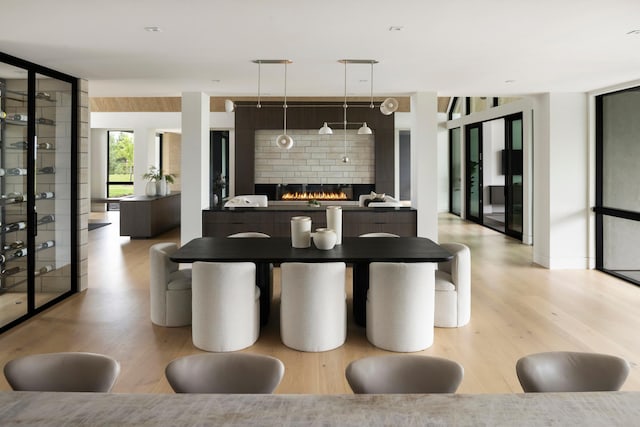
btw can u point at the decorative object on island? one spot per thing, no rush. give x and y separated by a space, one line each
158 181
301 231
334 221
219 184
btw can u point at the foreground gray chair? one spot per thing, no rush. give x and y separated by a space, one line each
566 371
225 373
404 373
70 371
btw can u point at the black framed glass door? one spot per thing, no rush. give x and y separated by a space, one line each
473 140
513 175
455 172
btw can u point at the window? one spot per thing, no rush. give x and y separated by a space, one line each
120 164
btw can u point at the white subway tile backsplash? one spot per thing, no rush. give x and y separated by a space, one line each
314 158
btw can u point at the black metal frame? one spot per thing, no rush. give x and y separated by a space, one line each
32 70
467 196
451 170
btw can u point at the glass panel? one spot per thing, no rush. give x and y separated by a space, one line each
621 151
474 172
478 104
53 244
14 108
514 220
120 180
456 110
621 253
455 175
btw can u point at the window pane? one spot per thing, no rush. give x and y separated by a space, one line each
620 246
120 172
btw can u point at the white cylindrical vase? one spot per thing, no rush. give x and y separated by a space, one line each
334 221
301 231
150 189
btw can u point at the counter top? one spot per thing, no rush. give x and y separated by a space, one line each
110 409
307 208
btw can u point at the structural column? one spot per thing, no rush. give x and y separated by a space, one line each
424 162
194 163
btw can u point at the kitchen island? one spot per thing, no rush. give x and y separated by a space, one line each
276 220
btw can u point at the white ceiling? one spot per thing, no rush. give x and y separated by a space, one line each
463 47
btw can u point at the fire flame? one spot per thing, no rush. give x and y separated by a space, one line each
314 195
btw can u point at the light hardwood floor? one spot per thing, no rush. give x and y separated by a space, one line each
517 308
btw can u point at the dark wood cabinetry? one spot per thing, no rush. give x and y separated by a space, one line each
276 221
143 216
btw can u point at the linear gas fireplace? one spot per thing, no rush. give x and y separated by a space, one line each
321 192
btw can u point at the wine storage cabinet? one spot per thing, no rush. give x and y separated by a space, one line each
38 123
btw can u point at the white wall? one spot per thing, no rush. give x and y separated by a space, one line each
443 163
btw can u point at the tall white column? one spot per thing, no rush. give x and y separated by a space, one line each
424 162
195 164
561 187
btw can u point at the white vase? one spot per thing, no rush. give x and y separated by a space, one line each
324 238
150 189
162 187
334 221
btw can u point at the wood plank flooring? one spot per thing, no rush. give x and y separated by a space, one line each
517 308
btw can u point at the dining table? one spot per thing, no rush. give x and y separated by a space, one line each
178 410
358 251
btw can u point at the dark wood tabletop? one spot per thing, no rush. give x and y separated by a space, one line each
279 249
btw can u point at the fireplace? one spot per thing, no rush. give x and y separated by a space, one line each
320 192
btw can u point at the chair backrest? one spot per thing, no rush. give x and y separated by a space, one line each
225 373
378 235
566 371
404 373
160 266
249 234
69 371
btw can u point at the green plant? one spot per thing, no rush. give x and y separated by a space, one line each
155 174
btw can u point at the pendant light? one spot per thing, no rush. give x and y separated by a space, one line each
285 141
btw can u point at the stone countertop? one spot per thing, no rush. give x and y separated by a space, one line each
111 409
303 207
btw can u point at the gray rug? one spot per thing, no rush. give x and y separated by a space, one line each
94 225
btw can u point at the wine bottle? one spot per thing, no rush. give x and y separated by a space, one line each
45 245
8 272
2 172
20 252
47 170
14 197
20 145
44 146
45 195
43 95
15 245
20 117
45 121
47 219
44 269
21 225
2 259
16 171
3 115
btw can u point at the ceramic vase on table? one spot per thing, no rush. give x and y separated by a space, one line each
334 221
161 189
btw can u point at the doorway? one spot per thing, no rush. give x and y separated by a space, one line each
218 166
473 139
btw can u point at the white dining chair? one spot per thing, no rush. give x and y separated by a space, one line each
453 288
169 288
313 308
400 303
226 306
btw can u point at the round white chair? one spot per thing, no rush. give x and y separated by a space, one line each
66 372
400 304
236 373
380 234
170 288
453 288
226 306
248 234
313 307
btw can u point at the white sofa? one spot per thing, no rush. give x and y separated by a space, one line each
388 201
247 201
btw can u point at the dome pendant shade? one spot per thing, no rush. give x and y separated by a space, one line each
284 141
325 130
229 106
364 129
389 106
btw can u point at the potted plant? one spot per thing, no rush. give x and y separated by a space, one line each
157 181
219 184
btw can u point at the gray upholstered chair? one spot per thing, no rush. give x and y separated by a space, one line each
313 307
567 371
225 373
380 234
226 306
170 287
67 372
404 373
453 288
249 234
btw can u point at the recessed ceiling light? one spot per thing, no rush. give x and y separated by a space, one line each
153 29
634 32
363 80
396 28
216 80
509 81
